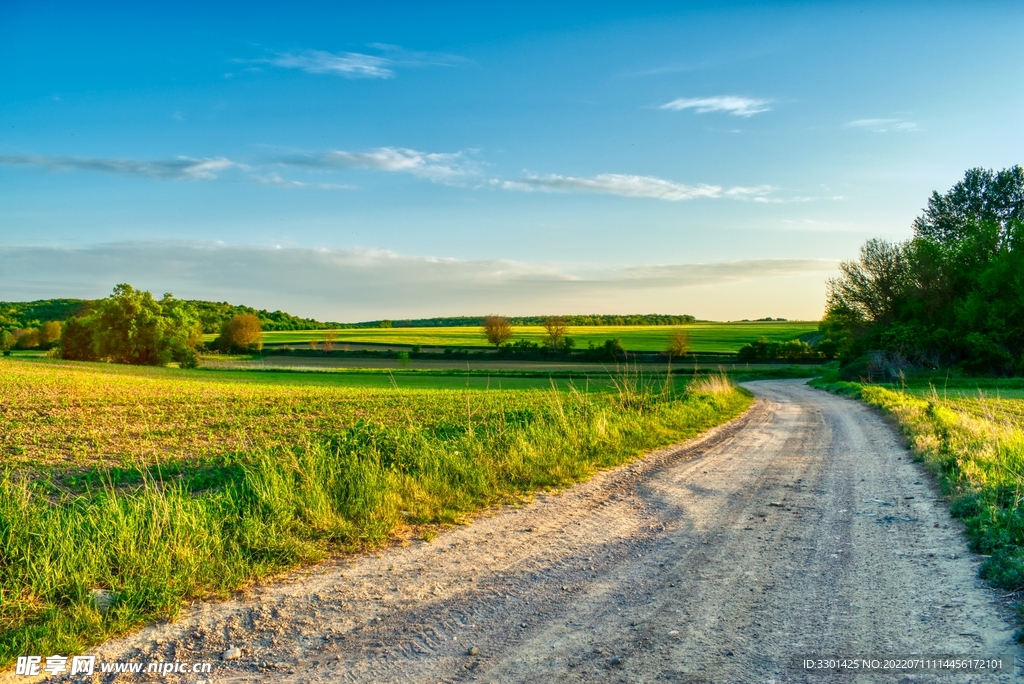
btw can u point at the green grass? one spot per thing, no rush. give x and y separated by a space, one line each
191 485
974 443
704 337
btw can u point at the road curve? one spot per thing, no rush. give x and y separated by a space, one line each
801 529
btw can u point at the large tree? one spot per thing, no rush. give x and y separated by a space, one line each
953 295
132 327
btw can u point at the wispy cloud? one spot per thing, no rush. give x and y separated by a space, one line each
276 179
179 168
347 64
632 186
883 125
439 167
436 166
357 64
386 284
731 104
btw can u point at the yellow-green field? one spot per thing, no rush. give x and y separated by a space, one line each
161 486
704 337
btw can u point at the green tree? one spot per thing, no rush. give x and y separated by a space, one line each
6 341
76 340
131 327
952 296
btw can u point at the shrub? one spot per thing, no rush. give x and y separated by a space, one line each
678 343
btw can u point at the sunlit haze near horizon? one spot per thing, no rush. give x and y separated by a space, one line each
397 160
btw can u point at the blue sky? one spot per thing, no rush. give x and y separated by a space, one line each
357 161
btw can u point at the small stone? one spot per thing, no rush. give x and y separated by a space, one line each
673 632
616 661
233 653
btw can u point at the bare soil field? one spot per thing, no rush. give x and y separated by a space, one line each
803 529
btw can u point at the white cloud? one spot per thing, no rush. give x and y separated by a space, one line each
180 168
731 104
883 125
633 186
361 284
357 64
275 179
347 64
433 165
442 167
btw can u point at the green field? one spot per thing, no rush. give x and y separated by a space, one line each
704 337
161 486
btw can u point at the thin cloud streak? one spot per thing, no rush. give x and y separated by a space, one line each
883 125
357 64
180 168
363 284
632 186
347 64
730 104
431 165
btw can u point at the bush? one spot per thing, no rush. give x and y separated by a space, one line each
763 350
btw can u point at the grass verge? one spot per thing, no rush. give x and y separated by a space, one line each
87 557
974 444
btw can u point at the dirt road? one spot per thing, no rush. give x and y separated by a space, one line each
803 529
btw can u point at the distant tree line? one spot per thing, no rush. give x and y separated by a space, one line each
211 316
477 321
951 297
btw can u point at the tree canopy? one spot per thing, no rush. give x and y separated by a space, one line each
132 327
950 297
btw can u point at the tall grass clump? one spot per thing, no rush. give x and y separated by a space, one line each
81 563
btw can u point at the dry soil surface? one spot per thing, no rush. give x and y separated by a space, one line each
801 529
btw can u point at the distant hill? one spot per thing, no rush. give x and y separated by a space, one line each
14 315
212 315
